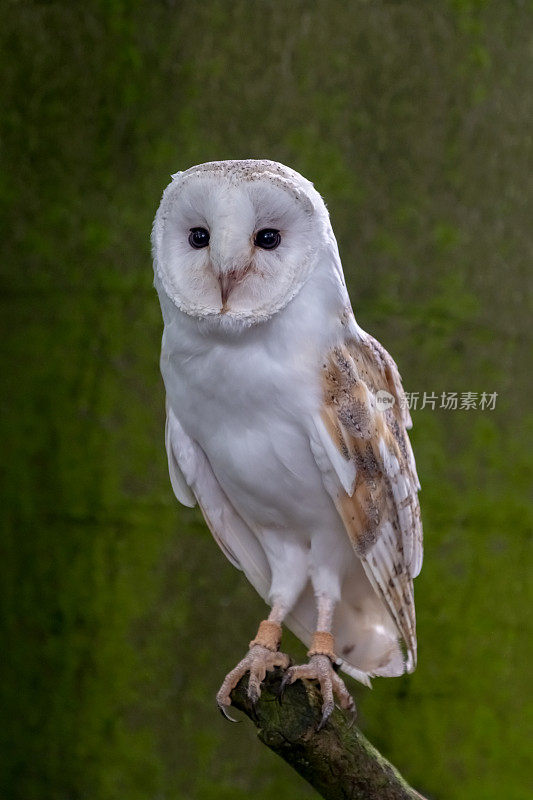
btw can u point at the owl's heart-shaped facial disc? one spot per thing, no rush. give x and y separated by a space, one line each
237 239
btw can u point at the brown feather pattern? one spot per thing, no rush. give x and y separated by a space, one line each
382 516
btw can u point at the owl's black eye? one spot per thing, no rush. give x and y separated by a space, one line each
268 238
198 238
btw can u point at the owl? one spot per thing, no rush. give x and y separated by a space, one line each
286 423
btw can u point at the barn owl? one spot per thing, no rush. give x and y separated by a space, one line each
286 423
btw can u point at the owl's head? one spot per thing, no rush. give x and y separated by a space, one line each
236 240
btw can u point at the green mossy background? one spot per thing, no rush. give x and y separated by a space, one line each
119 614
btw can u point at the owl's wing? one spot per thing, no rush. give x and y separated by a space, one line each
193 481
361 445
179 449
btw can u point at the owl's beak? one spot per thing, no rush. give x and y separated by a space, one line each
229 280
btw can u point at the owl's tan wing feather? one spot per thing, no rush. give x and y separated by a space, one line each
379 507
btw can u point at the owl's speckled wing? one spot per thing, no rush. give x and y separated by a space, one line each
365 455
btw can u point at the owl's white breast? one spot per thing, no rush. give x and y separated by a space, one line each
246 399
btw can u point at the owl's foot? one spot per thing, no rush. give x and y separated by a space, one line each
321 669
262 656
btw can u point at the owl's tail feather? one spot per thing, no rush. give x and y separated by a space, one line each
366 639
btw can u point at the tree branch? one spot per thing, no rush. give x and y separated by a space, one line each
337 761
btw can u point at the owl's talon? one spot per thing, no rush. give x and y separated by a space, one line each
224 712
354 717
327 710
283 685
320 668
257 662
285 681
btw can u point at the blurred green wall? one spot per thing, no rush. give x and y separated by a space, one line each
119 614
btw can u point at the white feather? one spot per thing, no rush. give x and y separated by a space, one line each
181 457
329 458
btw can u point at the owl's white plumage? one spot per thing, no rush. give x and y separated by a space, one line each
272 424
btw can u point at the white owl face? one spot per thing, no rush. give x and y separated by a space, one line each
236 240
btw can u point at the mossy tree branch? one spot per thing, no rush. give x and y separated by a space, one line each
337 761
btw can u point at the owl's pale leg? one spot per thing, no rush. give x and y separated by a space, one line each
320 666
286 586
263 655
